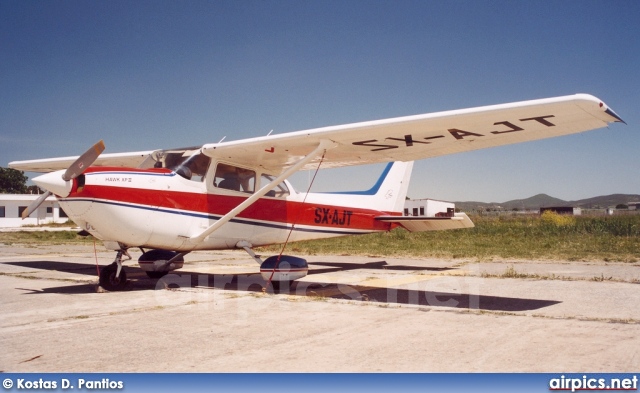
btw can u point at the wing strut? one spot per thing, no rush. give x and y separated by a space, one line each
323 145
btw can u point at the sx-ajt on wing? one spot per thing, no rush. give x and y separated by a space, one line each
235 194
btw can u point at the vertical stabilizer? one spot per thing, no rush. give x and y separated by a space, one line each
393 186
387 194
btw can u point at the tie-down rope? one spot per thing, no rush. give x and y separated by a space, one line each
295 222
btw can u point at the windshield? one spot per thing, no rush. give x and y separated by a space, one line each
188 163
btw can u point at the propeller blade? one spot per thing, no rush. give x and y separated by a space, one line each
35 204
84 161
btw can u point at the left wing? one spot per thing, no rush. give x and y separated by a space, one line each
130 160
422 136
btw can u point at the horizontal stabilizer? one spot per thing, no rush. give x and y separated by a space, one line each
423 224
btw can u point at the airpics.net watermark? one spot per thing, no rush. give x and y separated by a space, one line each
447 291
586 383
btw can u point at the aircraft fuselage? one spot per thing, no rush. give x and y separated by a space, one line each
157 208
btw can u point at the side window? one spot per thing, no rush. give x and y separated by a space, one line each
234 178
281 190
2 212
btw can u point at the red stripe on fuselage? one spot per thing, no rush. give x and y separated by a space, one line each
264 209
102 169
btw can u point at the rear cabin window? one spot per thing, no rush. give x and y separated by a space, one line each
234 178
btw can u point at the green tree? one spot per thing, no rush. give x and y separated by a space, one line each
33 189
12 181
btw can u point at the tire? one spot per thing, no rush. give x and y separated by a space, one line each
108 279
156 255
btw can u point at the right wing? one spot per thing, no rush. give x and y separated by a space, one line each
421 136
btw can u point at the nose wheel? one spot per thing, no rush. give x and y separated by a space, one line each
110 280
113 277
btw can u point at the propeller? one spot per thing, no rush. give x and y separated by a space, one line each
83 162
35 204
76 169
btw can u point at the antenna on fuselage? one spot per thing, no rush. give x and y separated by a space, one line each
220 141
269 132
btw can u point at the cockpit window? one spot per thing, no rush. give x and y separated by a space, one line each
281 190
234 178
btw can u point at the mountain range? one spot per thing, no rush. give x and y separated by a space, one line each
543 200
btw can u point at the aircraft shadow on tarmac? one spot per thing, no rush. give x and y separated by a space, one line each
66 267
330 267
253 282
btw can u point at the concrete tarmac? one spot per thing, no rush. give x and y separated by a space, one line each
351 313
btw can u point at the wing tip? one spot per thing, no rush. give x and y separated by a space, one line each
605 108
611 113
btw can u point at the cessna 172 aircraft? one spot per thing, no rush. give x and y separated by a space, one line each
235 194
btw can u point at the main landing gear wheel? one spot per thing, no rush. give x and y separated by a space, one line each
109 280
155 262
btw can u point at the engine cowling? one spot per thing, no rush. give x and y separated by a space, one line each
283 268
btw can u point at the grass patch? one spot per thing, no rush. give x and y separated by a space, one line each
67 224
44 237
552 237
579 238
511 272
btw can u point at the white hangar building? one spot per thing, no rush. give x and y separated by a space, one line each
428 208
12 206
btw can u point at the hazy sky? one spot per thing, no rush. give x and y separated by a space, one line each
157 74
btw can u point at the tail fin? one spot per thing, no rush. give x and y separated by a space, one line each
387 194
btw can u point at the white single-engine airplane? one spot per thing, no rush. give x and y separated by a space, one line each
235 194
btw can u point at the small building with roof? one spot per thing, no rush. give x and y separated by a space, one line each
12 206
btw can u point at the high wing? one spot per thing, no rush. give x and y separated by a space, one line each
422 136
398 139
130 160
